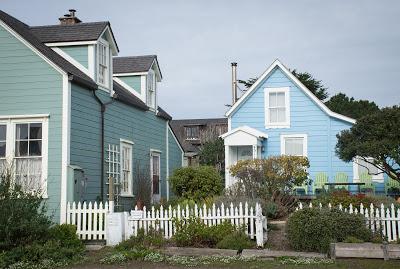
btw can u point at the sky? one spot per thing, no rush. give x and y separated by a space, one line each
352 46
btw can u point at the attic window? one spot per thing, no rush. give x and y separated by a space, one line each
103 66
151 90
192 132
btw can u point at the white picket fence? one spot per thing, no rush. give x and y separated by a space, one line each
164 219
378 219
90 219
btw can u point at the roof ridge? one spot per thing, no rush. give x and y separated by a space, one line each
125 57
68 25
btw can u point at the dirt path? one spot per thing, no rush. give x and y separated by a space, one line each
277 236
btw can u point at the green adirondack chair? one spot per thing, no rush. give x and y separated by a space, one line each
391 183
303 187
319 182
367 179
341 178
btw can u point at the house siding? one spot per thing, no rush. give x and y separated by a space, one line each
79 53
143 128
306 117
133 81
29 85
175 154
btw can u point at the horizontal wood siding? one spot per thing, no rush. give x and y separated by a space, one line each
133 81
144 128
175 154
306 117
29 85
79 53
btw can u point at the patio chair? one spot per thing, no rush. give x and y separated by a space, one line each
341 178
367 179
319 182
391 185
297 190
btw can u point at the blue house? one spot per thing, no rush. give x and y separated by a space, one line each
278 115
76 121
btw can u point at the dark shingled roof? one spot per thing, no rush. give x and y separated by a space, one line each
126 97
163 114
133 64
68 33
178 127
23 30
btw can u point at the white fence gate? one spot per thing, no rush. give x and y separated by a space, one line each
90 219
378 219
163 219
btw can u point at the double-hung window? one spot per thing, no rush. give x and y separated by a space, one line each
126 168
103 63
192 132
3 146
365 168
294 145
277 107
155 172
151 90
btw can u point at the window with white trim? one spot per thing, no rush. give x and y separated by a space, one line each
3 146
277 107
155 172
103 63
151 90
294 145
126 169
362 167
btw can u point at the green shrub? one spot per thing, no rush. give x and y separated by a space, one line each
66 235
196 183
237 240
152 238
314 229
352 239
26 219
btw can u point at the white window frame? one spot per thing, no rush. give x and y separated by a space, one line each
151 102
126 144
157 153
11 123
356 172
106 77
305 143
268 123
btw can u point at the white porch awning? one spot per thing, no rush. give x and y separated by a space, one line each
242 136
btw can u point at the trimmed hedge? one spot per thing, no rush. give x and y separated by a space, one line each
313 229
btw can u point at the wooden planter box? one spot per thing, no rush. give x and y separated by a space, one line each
365 250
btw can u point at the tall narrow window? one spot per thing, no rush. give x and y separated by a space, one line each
277 113
126 168
155 172
28 155
294 145
3 146
151 90
103 75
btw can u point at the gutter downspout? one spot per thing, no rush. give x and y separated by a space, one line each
103 111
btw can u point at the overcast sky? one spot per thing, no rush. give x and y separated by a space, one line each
352 46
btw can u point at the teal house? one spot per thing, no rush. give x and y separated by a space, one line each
79 123
278 115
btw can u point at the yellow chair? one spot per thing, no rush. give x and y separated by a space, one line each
367 179
341 178
319 183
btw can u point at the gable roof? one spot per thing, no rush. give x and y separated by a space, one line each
134 64
163 114
25 32
247 130
289 74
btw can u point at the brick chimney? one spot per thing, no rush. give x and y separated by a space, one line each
69 19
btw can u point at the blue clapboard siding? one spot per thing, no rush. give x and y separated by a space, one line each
29 85
143 128
306 117
132 81
175 154
79 53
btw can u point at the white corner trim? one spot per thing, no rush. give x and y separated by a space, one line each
67 57
297 82
268 124
92 61
74 43
129 88
29 45
167 158
303 136
143 89
66 136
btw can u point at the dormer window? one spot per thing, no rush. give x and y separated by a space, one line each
103 63
192 132
151 90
